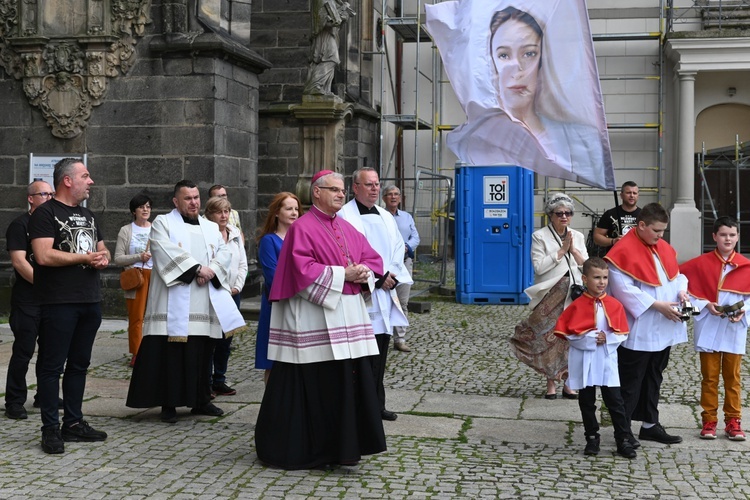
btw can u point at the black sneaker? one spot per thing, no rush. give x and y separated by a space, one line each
592 445
625 449
222 389
52 441
16 411
209 409
658 434
82 431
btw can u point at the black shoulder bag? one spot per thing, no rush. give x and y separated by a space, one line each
576 290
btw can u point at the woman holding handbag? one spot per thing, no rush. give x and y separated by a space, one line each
132 253
557 253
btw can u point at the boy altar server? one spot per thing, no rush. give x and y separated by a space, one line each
645 278
595 324
717 280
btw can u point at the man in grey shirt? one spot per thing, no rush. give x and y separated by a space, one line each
405 223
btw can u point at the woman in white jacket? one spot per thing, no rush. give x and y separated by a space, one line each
557 254
218 210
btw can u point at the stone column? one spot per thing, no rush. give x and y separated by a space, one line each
322 119
686 233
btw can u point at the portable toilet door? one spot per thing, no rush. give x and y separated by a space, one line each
494 222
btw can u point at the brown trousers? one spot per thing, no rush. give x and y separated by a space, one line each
728 365
136 311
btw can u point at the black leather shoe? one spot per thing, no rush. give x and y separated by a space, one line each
625 449
569 395
634 442
168 415
16 411
550 396
222 389
658 434
388 415
209 409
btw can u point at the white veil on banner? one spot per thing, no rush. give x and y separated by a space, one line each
525 73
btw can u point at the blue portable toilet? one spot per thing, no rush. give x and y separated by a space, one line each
494 221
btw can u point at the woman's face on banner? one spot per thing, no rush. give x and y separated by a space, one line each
516 52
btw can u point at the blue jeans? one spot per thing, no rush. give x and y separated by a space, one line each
66 340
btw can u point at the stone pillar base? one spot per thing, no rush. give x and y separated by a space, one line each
322 120
686 231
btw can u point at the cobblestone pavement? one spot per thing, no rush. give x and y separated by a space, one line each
472 424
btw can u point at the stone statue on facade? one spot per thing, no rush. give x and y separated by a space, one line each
327 18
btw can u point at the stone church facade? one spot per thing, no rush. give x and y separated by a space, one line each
156 91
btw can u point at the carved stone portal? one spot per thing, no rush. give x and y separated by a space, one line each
65 52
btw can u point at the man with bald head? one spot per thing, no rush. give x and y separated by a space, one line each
381 231
25 314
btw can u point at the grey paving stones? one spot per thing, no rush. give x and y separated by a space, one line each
472 424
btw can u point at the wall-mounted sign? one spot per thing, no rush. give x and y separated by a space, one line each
41 167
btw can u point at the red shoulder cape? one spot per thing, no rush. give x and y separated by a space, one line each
580 316
634 257
705 280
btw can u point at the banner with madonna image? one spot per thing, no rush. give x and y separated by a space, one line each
525 74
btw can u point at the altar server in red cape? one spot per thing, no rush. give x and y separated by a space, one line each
717 280
595 324
645 278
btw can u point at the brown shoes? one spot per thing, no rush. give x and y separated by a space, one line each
401 346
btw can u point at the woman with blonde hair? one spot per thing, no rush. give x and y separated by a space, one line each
284 209
219 210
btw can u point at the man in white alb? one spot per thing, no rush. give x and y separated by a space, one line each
382 233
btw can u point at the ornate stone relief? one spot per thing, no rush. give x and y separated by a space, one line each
65 52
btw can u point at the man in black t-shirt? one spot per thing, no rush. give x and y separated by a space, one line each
24 308
616 222
69 251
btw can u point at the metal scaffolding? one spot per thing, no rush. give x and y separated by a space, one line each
726 170
657 126
427 192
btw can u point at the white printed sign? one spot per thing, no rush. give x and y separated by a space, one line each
495 213
41 167
496 190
